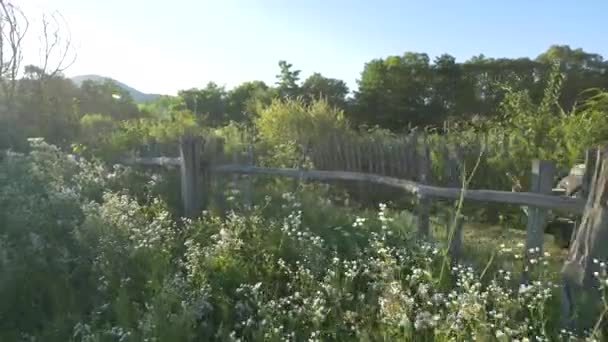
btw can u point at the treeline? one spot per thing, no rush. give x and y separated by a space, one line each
52 107
394 93
409 90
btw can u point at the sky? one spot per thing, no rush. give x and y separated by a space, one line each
164 46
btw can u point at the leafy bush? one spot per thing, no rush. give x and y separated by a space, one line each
293 123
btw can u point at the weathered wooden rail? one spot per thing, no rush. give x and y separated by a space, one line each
531 199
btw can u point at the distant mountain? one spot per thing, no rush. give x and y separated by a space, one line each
137 95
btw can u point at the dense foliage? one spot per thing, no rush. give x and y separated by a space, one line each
93 254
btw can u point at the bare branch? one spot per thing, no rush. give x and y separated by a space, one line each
13 28
57 51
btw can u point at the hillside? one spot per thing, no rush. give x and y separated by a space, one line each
137 95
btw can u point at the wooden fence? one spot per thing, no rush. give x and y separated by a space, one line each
200 160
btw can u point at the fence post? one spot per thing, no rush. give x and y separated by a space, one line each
541 181
424 202
191 175
589 241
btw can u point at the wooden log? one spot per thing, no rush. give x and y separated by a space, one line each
506 197
192 181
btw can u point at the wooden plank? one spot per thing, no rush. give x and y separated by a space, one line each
424 202
401 158
359 168
394 159
248 182
348 155
382 158
369 156
330 153
191 176
541 181
339 153
319 157
365 157
407 155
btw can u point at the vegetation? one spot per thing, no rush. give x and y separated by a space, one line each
94 251
116 265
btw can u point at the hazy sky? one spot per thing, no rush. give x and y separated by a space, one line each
164 46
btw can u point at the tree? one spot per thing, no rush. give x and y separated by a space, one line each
163 106
106 98
287 80
13 28
245 100
45 106
57 51
333 90
582 71
40 102
446 86
208 104
396 92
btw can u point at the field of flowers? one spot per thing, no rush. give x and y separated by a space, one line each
89 253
